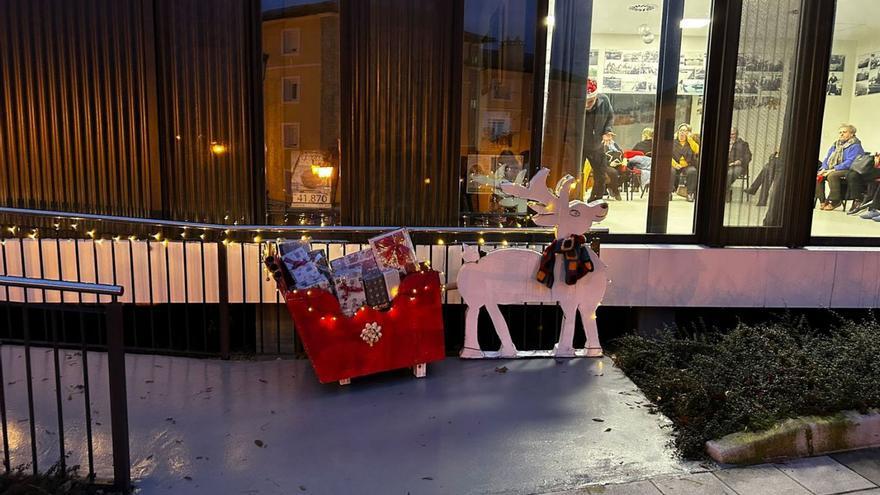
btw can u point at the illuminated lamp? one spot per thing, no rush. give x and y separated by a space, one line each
322 171
218 148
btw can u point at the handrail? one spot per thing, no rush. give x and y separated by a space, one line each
280 229
61 285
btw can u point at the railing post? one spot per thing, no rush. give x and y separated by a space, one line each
223 298
118 397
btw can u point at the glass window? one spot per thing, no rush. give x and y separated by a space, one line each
301 109
497 100
290 89
291 135
767 45
290 41
847 193
608 123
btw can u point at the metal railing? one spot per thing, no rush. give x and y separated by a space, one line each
200 289
20 314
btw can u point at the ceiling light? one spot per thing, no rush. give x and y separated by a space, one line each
694 23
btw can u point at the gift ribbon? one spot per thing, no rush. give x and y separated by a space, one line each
345 289
394 250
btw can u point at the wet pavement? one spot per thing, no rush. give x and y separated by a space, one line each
267 427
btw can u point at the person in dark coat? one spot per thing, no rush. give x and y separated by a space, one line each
738 157
598 121
647 142
857 185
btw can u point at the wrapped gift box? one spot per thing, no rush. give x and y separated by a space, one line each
349 291
319 258
288 246
295 257
395 250
359 260
308 276
380 287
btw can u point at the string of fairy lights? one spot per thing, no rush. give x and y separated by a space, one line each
225 236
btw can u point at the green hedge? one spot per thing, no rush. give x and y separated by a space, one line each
712 384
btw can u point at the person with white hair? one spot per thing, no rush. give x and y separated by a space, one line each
836 165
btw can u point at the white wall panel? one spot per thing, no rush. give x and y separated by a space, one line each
642 275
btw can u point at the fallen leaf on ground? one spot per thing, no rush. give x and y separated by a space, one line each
501 369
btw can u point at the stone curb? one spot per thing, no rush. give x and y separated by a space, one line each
799 437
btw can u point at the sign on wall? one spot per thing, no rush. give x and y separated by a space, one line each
310 180
835 75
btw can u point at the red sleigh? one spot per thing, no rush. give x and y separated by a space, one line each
412 330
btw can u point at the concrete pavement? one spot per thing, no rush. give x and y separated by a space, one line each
856 472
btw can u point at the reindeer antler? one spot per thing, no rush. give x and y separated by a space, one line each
537 193
563 190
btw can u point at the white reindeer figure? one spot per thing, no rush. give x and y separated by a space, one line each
507 276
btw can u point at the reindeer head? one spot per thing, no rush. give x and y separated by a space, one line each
554 209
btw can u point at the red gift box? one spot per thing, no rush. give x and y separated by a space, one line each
412 330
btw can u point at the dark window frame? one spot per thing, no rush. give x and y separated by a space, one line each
810 73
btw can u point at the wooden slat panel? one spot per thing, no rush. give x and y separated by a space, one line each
401 83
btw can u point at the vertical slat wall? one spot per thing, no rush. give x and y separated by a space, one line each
401 84
73 109
205 82
111 107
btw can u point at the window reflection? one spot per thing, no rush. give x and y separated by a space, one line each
301 101
497 98
613 160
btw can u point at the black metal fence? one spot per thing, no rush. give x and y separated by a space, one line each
201 290
69 334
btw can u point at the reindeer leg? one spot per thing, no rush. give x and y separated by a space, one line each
507 350
594 348
471 349
564 347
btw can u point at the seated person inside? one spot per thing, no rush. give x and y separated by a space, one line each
873 204
738 157
646 143
859 177
685 158
836 165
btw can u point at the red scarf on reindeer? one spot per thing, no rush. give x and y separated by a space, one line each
576 255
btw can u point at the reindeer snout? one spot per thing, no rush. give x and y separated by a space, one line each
604 206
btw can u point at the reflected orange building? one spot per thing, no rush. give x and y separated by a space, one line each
497 82
300 90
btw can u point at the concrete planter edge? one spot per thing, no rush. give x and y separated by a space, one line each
799 437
